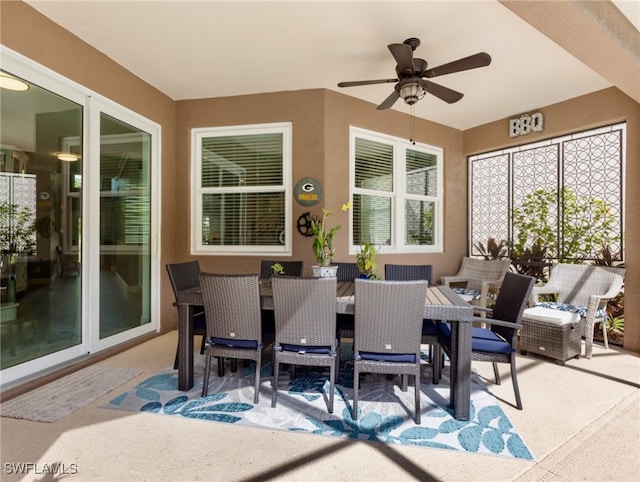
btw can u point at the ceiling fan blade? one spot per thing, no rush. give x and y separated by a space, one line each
444 93
481 59
404 57
389 101
355 83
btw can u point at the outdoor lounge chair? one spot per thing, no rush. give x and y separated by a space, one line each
582 293
475 277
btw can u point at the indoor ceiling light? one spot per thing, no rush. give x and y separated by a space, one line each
67 156
411 92
11 83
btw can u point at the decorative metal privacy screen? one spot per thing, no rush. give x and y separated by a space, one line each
590 165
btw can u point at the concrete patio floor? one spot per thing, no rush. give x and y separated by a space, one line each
581 421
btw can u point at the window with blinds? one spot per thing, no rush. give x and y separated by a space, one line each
241 189
397 193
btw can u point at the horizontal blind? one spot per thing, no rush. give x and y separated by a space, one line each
242 160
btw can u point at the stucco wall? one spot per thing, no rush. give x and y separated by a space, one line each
304 109
594 110
321 121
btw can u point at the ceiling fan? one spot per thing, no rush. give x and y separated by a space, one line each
412 73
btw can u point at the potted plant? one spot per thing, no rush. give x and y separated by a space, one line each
366 261
323 244
277 269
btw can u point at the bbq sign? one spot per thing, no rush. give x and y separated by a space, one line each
308 191
526 124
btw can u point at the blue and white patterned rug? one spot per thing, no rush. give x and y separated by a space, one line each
386 412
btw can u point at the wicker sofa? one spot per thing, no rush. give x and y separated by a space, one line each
555 329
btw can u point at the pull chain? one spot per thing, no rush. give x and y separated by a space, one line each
412 125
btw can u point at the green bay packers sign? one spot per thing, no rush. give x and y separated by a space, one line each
308 191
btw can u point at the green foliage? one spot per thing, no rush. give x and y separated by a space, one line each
615 323
366 261
425 234
322 239
277 268
493 250
586 227
531 261
17 228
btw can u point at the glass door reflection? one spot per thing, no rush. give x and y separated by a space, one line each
125 220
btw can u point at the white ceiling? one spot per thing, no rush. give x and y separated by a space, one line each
201 49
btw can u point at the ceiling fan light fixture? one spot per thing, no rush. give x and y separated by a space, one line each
411 92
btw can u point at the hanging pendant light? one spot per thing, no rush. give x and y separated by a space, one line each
67 156
12 83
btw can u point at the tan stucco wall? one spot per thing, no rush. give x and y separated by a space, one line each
321 121
304 109
594 110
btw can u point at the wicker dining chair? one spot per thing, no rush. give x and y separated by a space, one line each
496 344
414 272
347 271
232 309
305 322
388 321
291 268
184 276
344 321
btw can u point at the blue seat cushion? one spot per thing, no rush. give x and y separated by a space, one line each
318 350
233 342
483 333
388 357
199 321
482 339
491 346
429 327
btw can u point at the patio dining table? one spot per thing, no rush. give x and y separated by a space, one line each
441 304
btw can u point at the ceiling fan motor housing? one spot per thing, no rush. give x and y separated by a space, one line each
412 73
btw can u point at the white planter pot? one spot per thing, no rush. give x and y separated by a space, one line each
324 271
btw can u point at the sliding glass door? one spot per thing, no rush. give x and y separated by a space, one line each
77 220
40 188
125 223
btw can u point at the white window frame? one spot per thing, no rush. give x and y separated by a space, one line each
399 195
197 191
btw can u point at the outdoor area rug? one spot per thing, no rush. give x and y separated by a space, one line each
61 397
386 413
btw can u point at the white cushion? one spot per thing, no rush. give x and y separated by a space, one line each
548 315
